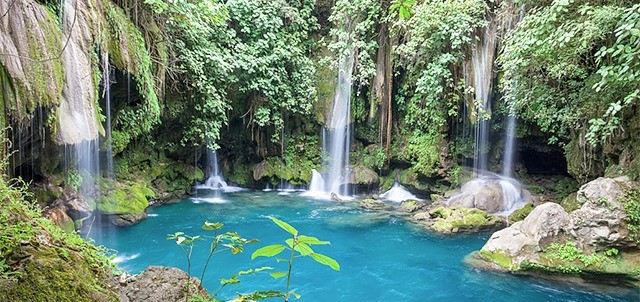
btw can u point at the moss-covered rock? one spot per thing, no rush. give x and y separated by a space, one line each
520 214
571 202
273 169
373 204
457 220
126 198
410 206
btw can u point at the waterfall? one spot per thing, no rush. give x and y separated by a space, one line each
482 57
336 136
106 81
509 146
215 180
479 72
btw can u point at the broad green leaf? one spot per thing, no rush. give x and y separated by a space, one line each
285 226
268 251
311 240
277 275
322 259
304 249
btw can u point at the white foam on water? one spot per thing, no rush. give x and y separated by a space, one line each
398 193
124 258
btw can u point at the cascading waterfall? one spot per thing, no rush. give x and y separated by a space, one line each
509 146
336 137
482 57
481 64
215 180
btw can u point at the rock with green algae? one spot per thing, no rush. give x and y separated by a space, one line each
375 205
593 243
520 214
362 176
410 206
457 220
274 169
126 204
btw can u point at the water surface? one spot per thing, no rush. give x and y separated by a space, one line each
382 258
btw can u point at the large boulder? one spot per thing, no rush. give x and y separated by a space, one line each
542 226
600 223
160 284
596 241
362 176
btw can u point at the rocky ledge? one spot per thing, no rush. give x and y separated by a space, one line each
596 243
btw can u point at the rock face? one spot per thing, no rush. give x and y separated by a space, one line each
582 242
159 284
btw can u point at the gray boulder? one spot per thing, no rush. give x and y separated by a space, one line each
159 284
542 226
600 223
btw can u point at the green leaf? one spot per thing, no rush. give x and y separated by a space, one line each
322 259
304 249
297 295
268 251
311 240
285 226
277 275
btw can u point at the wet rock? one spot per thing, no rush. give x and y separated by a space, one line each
375 205
160 284
593 242
335 197
410 206
361 175
75 204
60 218
457 220
127 219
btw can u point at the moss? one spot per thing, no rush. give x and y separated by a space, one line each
521 214
240 174
273 169
571 203
42 262
500 258
461 219
126 199
412 179
129 52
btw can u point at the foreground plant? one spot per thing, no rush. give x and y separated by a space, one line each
228 241
300 246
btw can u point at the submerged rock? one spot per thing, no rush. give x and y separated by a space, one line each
457 220
160 284
592 243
